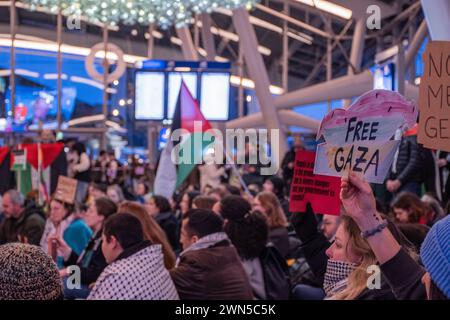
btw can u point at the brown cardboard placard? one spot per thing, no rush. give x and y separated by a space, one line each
66 189
434 97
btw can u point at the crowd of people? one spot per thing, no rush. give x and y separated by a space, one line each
215 240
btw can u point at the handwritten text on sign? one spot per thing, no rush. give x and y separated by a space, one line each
358 139
434 97
322 192
371 161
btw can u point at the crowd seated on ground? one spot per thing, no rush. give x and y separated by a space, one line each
222 242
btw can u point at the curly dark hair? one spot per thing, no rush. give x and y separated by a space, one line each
249 235
247 230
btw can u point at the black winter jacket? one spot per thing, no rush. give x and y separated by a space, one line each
169 223
91 261
404 277
30 225
408 161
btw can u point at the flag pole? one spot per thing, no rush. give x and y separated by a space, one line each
235 169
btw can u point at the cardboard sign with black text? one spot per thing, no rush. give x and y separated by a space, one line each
434 97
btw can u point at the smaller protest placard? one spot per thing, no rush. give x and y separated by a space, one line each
322 192
66 189
19 160
360 139
434 97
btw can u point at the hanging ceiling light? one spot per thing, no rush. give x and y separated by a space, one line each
165 13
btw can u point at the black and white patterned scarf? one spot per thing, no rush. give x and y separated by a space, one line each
336 276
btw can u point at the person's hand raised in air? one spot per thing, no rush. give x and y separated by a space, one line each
357 197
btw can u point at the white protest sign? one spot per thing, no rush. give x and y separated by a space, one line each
371 161
359 139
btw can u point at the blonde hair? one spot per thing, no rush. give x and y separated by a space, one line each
152 230
274 213
357 280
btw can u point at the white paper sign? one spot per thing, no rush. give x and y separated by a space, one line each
360 138
372 162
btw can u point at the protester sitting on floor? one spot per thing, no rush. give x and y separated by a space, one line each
248 231
95 191
435 211
341 266
232 189
142 190
28 273
63 223
159 208
408 208
406 278
204 202
91 261
187 200
329 226
414 232
22 223
115 193
136 266
152 231
219 193
267 203
306 286
276 185
209 268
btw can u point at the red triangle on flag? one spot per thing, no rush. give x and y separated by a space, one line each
32 154
50 152
190 111
3 153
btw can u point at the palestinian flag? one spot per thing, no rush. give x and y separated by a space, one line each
189 149
39 167
7 176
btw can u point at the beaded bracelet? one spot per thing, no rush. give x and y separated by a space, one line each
368 233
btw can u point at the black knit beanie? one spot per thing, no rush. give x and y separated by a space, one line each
28 273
